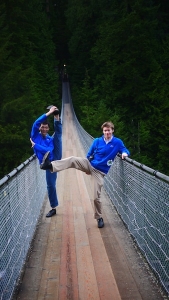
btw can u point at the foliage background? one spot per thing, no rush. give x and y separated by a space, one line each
117 58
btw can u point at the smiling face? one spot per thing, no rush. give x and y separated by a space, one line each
44 128
108 132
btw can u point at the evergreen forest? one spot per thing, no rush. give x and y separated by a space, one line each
116 54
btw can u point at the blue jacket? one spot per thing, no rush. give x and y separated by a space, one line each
44 144
104 154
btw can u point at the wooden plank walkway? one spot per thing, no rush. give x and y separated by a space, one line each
71 258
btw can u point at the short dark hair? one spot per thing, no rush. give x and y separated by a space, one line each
107 124
45 123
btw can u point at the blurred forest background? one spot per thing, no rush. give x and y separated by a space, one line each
117 56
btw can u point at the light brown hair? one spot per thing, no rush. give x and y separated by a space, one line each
108 124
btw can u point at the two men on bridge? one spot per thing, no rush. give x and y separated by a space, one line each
99 159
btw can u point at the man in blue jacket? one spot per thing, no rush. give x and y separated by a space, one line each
99 159
41 143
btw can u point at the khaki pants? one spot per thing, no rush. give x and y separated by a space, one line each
84 165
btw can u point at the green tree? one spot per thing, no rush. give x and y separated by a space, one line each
29 80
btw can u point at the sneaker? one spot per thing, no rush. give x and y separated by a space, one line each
56 112
100 223
51 213
46 164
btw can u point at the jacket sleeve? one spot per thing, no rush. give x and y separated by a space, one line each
44 149
57 126
57 140
36 125
92 148
123 149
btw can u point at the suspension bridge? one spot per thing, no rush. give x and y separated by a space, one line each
67 256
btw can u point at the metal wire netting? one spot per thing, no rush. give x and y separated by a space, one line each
21 199
142 201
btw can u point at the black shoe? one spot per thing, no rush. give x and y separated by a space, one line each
51 213
56 112
46 164
100 223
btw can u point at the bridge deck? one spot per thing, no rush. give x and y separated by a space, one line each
71 258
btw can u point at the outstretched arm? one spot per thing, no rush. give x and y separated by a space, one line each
40 120
123 151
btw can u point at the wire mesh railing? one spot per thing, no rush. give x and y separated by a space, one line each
22 194
142 201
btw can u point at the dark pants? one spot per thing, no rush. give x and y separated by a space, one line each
57 154
51 188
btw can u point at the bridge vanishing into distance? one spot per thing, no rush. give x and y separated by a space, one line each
67 256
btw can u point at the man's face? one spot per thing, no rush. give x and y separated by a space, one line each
44 128
108 132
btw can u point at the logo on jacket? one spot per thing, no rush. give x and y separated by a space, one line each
110 162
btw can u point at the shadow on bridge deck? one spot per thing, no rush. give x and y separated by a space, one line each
71 258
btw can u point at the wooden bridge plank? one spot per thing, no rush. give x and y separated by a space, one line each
68 286
105 279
